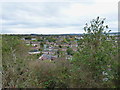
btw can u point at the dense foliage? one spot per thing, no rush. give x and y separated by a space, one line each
14 60
98 54
94 65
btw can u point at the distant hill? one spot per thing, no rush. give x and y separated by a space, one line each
116 33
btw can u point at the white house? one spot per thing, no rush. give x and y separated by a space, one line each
33 38
34 52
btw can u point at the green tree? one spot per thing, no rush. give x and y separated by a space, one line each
14 61
60 46
41 44
97 54
70 51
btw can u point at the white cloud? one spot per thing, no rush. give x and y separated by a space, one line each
53 17
78 9
46 30
106 1
47 1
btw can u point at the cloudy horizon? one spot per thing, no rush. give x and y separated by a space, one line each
55 17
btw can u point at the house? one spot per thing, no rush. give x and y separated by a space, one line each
80 37
33 39
34 51
69 57
47 57
45 47
63 49
35 44
55 48
73 45
50 48
27 43
48 52
65 45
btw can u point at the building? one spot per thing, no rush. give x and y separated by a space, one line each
33 39
34 52
47 57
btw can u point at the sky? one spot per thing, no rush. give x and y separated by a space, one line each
55 16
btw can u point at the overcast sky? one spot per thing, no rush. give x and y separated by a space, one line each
55 17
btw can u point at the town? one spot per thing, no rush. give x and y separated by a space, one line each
54 47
